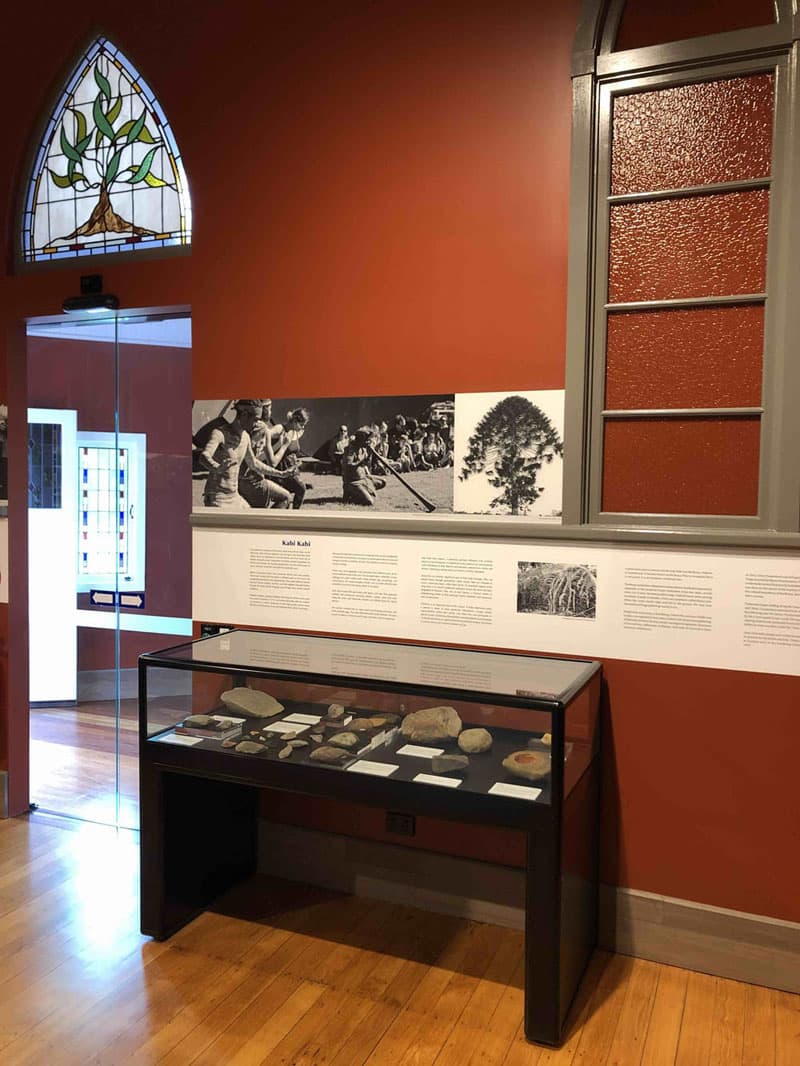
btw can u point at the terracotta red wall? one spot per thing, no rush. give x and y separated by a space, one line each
380 194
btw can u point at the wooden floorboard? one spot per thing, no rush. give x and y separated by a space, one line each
287 975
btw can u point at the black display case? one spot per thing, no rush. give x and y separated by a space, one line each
477 737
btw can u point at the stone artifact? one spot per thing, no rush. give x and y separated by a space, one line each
289 736
252 702
298 743
249 747
381 720
544 741
284 753
229 743
449 764
200 721
317 738
473 741
432 723
531 764
328 754
344 740
335 711
361 725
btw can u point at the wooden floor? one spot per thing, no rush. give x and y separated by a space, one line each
74 764
312 977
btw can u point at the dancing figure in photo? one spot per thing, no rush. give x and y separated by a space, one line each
226 449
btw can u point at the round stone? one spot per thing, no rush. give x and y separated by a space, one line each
474 741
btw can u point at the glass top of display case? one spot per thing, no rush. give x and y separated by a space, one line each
483 673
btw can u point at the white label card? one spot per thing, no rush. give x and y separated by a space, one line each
285 726
227 718
378 769
434 779
418 752
523 792
177 738
305 719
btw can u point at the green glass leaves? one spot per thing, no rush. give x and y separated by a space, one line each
67 148
135 129
102 83
143 169
61 180
104 127
113 167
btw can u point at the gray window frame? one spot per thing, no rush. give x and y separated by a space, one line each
599 75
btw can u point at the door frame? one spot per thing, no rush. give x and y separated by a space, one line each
15 782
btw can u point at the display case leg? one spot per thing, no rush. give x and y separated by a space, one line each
543 940
198 839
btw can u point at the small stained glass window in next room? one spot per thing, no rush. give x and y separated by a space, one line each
103 547
107 174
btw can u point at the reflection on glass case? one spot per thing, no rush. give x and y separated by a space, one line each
477 737
486 724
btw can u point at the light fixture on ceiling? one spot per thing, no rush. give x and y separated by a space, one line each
92 299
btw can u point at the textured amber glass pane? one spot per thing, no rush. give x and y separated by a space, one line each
694 246
645 22
703 357
692 134
681 466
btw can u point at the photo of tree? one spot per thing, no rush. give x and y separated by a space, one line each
508 454
568 590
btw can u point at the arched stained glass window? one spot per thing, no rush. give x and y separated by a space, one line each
107 175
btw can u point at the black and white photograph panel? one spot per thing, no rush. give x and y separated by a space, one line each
567 590
508 454
385 453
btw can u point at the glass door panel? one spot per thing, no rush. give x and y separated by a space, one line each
155 550
72 567
110 561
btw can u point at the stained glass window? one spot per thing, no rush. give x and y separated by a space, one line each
44 465
107 175
111 509
103 542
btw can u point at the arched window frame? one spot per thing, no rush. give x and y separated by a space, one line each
599 73
27 196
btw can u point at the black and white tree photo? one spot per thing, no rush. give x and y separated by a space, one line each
509 454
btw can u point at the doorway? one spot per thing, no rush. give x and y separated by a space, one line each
109 545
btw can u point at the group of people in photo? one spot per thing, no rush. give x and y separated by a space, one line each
251 461
407 443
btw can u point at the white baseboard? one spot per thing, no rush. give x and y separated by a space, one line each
744 947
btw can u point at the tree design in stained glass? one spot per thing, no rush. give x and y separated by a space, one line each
107 176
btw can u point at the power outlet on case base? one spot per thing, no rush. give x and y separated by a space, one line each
404 825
